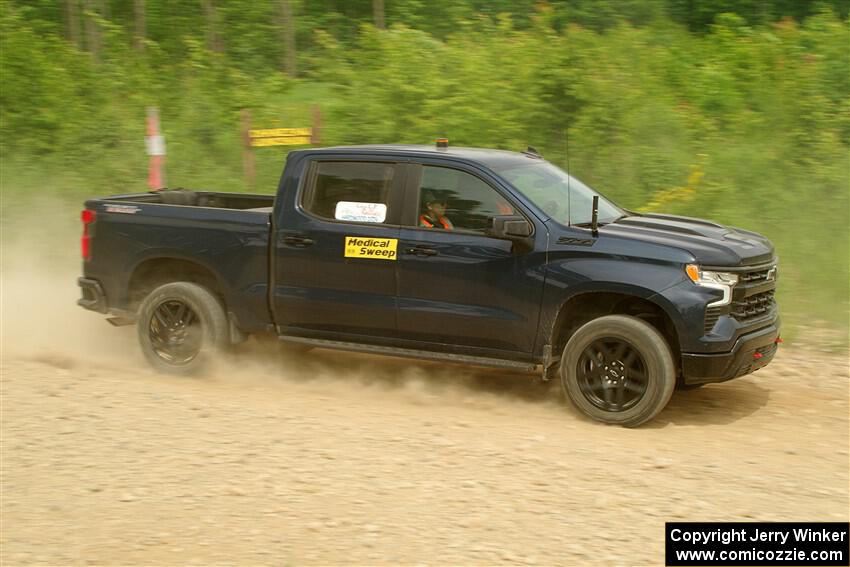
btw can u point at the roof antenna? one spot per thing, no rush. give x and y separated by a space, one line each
594 217
567 159
532 151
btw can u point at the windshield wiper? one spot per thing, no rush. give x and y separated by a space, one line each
618 219
588 224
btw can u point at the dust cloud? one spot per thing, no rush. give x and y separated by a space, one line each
41 322
39 265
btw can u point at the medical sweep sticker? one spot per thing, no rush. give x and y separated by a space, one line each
375 248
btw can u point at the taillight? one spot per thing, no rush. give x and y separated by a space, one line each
88 217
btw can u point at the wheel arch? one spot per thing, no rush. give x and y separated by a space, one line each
586 305
152 272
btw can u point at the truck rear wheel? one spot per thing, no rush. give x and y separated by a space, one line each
618 369
181 325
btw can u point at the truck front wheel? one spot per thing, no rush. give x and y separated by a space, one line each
181 325
618 369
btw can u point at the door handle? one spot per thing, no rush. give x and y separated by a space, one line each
419 251
297 240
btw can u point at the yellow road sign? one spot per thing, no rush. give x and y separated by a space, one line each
281 137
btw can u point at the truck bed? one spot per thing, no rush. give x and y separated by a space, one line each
210 199
138 237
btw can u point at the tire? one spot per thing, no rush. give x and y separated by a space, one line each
619 370
181 326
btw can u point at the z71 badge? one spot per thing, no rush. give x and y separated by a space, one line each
374 248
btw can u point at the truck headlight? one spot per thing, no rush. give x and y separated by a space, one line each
723 281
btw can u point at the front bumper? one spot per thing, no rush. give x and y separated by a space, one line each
751 351
94 297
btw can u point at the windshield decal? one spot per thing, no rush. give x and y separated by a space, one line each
360 212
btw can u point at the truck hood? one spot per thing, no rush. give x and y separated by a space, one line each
711 244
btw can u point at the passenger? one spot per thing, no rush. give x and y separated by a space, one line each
434 214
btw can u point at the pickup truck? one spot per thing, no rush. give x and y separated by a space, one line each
461 255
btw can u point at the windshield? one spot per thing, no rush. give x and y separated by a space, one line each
564 198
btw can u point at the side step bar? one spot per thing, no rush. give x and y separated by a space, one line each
411 353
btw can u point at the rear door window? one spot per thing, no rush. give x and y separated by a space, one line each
351 191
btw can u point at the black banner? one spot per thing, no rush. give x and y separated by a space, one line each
757 543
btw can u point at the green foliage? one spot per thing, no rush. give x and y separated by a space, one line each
699 15
718 109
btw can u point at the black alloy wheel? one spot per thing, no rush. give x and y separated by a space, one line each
612 374
181 327
175 332
618 369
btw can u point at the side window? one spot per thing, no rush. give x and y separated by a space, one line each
350 191
453 199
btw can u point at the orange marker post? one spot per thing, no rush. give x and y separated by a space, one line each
155 145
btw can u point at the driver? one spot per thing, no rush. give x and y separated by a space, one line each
434 213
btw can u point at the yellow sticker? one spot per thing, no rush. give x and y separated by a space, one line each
374 248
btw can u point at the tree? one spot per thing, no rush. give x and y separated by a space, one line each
378 10
72 22
92 28
139 29
213 37
287 28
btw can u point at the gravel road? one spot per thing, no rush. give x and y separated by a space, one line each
340 459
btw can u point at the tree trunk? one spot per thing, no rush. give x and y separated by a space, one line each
139 30
378 10
287 27
72 22
92 28
214 41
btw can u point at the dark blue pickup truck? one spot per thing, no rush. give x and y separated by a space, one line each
460 255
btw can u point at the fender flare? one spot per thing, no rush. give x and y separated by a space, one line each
596 287
169 254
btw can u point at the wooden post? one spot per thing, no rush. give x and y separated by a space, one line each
316 137
247 154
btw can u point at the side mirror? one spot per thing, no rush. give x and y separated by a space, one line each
509 227
514 228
